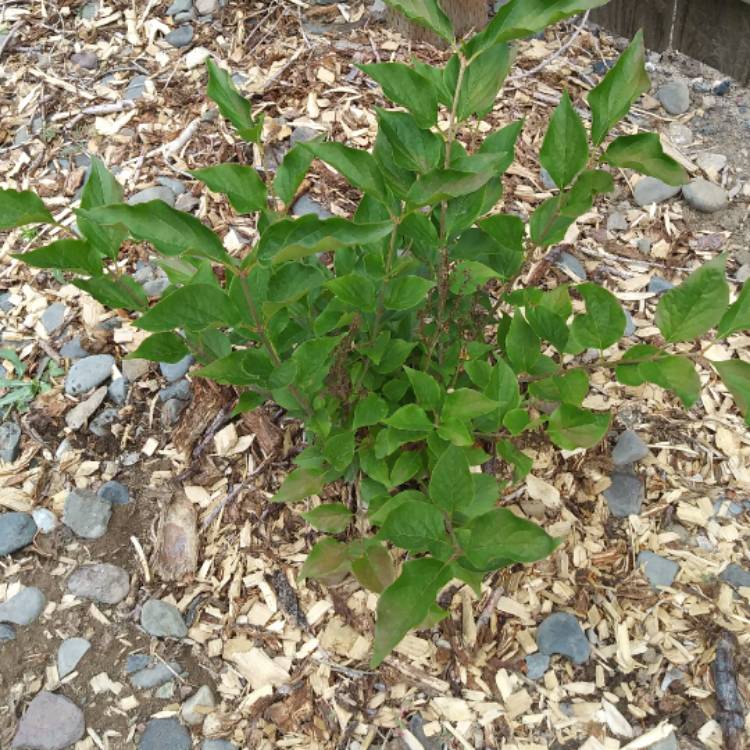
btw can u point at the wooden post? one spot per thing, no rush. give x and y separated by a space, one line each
465 15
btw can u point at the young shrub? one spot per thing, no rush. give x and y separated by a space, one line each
416 354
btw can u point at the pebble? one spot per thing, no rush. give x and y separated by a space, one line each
100 582
154 674
71 651
73 350
87 514
85 60
162 620
303 134
561 633
176 186
100 426
735 576
89 11
176 370
196 56
132 369
674 97
10 441
7 632
179 6
156 193
17 529
668 743
570 263
720 88
305 205
136 88
24 607
616 222
658 285
186 202
705 196
51 722
206 7
180 37
164 692
724 508
625 495
218 745
87 373
80 413
197 706
658 570
547 181
629 325
644 245
629 449
172 410
64 447
53 317
118 391
6 305
181 390
680 134
650 190
711 163
114 492
165 733
536 665
45 520
156 287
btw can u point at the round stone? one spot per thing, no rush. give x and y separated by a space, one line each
114 492
87 373
24 607
10 442
562 634
674 97
51 722
16 531
87 514
198 706
650 190
100 582
164 733
71 651
705 196
162 620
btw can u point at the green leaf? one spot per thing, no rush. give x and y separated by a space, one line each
451 485
373 566
298 485
232 104
499 536
676 374
406 603
520 461
19 208
611 100
339 450
571 427
604 321
565 149
522 345
441 184
194 307
407 465
736 376
417 527
161 347
354 289
379 514
241 184
240 367
328 560
68 255
405 292
290 282
114 291
170 231
695 306
644 153
465 404
426 389
333 518
737 317
570 388
406 87
427 13
291 172
101 189
516 421
369 411
248 401
483 79
548 326
410 417
413 149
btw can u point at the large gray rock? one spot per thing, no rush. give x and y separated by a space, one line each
629 449
100 582
24 607
87 373
650 190
625 495
51 722
161 734
195 709
71 651
658 570
705 196
562 634
162 620
156 673
735 576
16 531
87 514
674 97
10 441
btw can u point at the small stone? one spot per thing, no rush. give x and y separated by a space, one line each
137 662
53 317
154 674
720 88
165 733
303 134
650 190
7 632
571 264
735 576
680 134
206 7
89 11
616 222
186 202
705 196
644 245
724 508
181 390
132 369
156 193
668 743
657 285
51 722
629 325
165 692
100 426
136 88
73 350
6 303
114 492
658 570
85 60
547 182
536 665
176 370
305 205
198 705
674 97
17 529
180 37
561 633
162 620
179 6
196 56
156 287
118 391
64 447
629 449
710 163
45 520
176 186
87 373
10 442
87 514
79 414
100 582
71 651
24 607
625 495
172 411
218 745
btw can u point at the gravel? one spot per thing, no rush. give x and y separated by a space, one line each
118 391
80 413
156 673
625 495
629 449
172 410
156 193
100 582
132 369
305 205
735 576
7 632
10 441
51 722
181 390
536 665
136 88
218 745
668 743
53 317
73 350
674 97
561 633
16 531
658 285
71 651
87 373
24 607
45 520
85 60
100 425
176 186
570 263
176 370
179 6
705 196
198 705
87 514
180 37
160 734
658 570
162 620
114 492
650 190
206 7
303 134
616 222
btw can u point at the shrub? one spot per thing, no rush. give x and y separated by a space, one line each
403 337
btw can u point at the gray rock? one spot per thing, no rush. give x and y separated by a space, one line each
156 287
658 570
87 514
154 674
176 370
136 88
64 447
668 743
629 449
180 37
7 632
51 722
162 620
657 285
24 607
680 134
5 304
172 411
536 665
625 495
206 7
114 492
629 324
100 582
735 576
305 205
80 413
176 186
73 350
118 391
186 202
16 531
650 190
644 245
179 6
71 651
156 193
85 60
197 706
45 520
303 134
570 263
616 222
674 97
164 692
722 87
547 181
561 633
218 745
181 390
10 441
87 373
137 662
710 162
53 317
133 369
100 426
89 11
161 734
705 196
724 508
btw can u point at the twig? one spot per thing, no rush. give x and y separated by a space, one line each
9 37
730 713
